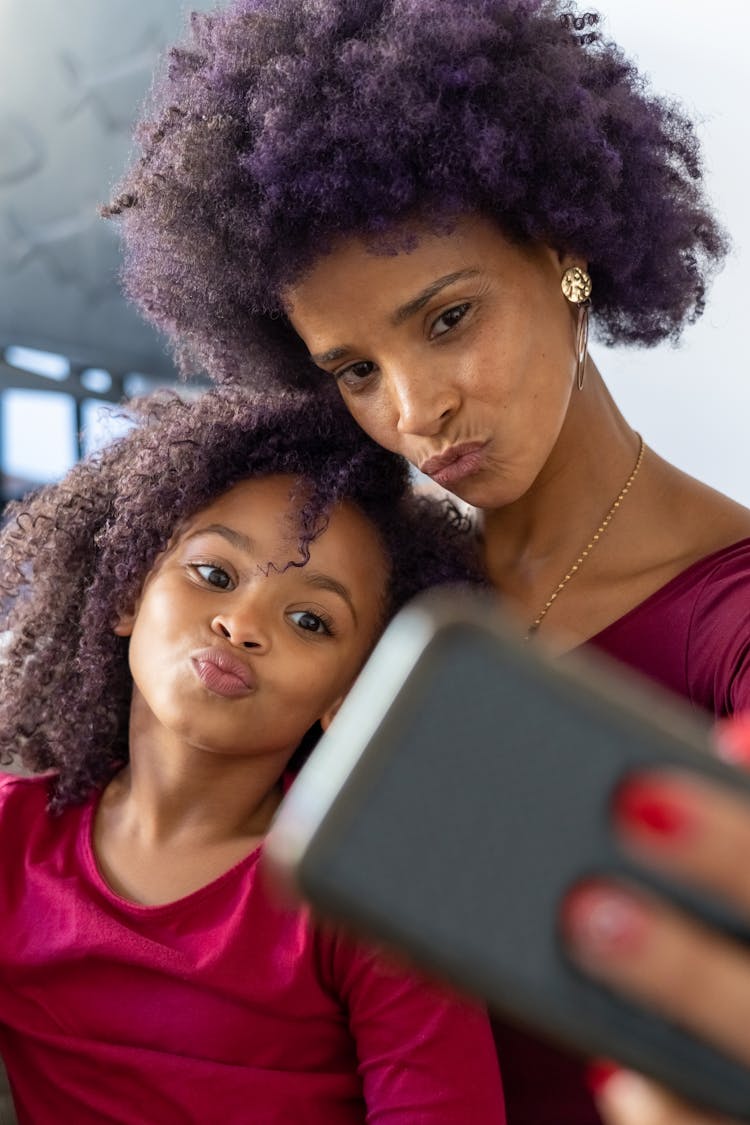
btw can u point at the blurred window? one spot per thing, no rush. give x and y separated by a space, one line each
38 434
41 363
97 380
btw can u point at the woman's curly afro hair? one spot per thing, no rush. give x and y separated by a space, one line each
284 124
74 555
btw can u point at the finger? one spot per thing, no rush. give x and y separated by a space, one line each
732 740
628 1099
687 971
694 829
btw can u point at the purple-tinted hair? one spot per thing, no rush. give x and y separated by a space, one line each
74 555
284 124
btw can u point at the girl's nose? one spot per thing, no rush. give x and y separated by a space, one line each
242 625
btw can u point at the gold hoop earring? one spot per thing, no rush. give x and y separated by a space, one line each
577 286
582 345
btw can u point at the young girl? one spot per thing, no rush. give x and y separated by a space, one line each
184 612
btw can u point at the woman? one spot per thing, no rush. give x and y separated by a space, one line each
421 203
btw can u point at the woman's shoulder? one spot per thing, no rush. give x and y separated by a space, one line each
700 539
719 587
706 518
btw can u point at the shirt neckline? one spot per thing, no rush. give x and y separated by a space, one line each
158 909
706 561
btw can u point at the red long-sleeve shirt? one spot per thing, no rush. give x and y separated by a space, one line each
224 1006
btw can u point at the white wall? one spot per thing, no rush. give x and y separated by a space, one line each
692 403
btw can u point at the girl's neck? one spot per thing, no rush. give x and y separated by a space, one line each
157 840
173 790
178 817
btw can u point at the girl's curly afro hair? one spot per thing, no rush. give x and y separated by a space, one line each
284 124
74 555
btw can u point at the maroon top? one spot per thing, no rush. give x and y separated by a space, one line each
692 636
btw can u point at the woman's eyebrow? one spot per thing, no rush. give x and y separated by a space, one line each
403 312
326 582
416 303
236 538
331 355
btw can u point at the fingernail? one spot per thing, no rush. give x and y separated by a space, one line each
732 741
599 1073
655 809
600 921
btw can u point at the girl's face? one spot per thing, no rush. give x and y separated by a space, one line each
458 354
231 656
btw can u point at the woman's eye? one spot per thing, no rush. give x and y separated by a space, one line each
355 374
310 622
214 575
449 319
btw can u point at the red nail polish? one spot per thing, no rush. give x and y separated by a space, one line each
732 740
600 921
599 1073
649 807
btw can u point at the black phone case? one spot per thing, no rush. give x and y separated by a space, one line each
463 787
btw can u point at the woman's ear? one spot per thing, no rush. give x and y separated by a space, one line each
566 261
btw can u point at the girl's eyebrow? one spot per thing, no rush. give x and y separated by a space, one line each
326 582
403 312
313 578
236 538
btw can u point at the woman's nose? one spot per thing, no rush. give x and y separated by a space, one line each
423 402
242 624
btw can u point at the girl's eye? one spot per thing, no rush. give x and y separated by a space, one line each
311 622
449 319
356 374
213 575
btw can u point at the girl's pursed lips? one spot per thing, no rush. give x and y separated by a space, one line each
223 673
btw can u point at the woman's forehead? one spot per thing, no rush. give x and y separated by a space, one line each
384 279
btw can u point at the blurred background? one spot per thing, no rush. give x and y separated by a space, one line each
73 78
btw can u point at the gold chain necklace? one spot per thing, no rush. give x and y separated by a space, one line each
591 544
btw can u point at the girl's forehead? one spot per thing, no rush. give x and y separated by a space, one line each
256 497
263 518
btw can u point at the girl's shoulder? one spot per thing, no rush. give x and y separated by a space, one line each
12 780
23 791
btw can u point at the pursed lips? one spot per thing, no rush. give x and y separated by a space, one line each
222 673
449 456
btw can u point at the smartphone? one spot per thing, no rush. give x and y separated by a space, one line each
464 786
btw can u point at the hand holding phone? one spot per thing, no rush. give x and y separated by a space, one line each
465 786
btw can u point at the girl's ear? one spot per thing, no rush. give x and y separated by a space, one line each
123 626
327 718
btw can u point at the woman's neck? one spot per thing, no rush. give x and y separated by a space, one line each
530 544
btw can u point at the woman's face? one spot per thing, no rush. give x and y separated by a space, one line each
458 354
